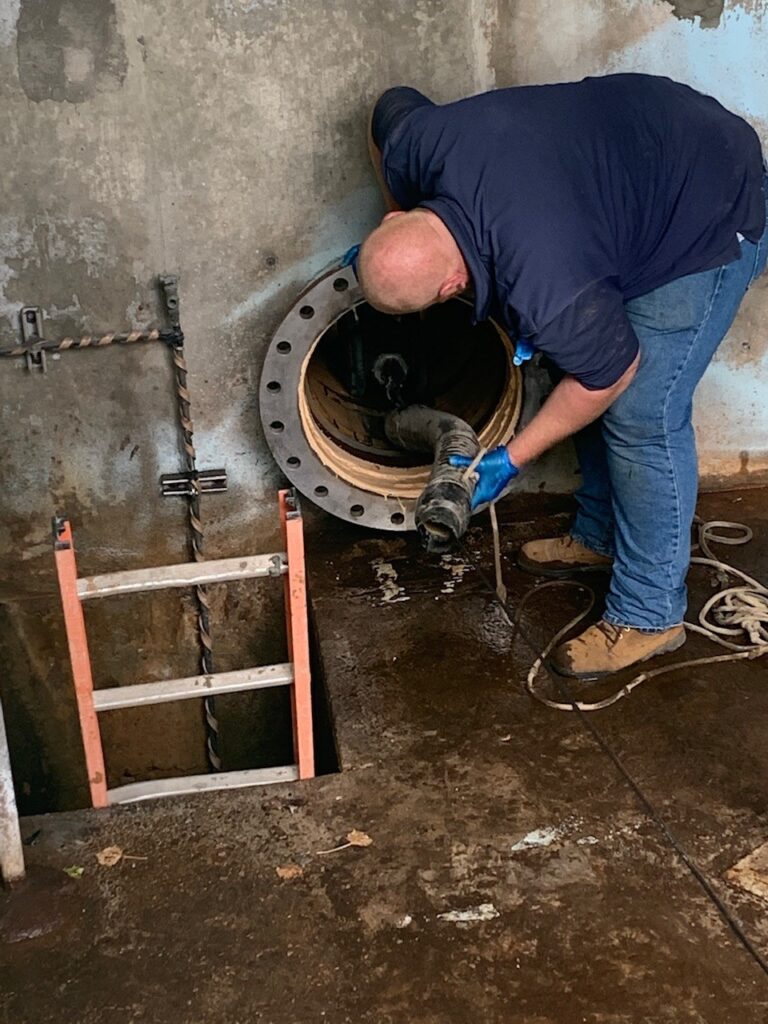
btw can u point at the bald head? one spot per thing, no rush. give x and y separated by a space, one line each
410 262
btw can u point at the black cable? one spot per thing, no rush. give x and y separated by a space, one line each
645 802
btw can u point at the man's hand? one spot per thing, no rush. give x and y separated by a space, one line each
569 408
494 472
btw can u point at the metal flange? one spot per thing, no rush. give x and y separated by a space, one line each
324 301
300 448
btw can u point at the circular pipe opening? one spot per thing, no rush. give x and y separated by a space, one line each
366 363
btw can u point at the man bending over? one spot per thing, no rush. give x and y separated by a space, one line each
615 225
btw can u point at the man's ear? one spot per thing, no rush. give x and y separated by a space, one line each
391 214
453 285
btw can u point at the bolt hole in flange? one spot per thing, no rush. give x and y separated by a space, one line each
346 366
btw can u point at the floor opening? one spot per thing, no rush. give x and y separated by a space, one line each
161 741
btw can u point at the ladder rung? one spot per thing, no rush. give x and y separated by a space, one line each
186 574
142 694
137 791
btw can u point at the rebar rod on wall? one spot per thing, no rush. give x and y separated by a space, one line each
169 285
88 341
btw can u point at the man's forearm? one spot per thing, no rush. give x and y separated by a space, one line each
570 407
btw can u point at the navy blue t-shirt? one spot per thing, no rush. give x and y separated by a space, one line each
568 200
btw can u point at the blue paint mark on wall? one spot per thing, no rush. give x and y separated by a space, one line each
727 62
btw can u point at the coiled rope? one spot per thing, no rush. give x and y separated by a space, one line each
738 613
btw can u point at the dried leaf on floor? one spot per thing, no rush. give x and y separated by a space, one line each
354 838
289 871
109 856
357 838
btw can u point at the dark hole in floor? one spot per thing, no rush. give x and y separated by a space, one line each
153 742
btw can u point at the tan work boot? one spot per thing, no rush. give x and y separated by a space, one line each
605 648
560 556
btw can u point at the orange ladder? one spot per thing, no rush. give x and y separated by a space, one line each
294 673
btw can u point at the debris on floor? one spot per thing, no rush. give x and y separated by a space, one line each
386 577
751 872
456 568
483 912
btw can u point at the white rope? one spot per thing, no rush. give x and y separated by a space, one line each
740 612
733 611
470 470
501 590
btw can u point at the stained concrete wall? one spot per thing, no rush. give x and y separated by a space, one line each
224 140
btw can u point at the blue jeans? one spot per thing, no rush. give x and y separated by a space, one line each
638 461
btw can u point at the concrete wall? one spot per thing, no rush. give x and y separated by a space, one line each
224 140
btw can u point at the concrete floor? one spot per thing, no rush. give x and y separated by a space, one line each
474 796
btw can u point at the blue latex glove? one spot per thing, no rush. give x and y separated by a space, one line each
524 351
349 259
494 472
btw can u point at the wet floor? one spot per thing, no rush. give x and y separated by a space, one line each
523 867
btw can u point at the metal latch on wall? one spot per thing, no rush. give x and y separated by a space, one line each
32 336
208 481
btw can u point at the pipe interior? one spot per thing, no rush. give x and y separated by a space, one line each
438 357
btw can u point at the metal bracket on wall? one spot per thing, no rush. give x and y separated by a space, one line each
207 481
32 337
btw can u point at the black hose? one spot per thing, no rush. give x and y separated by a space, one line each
444 507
